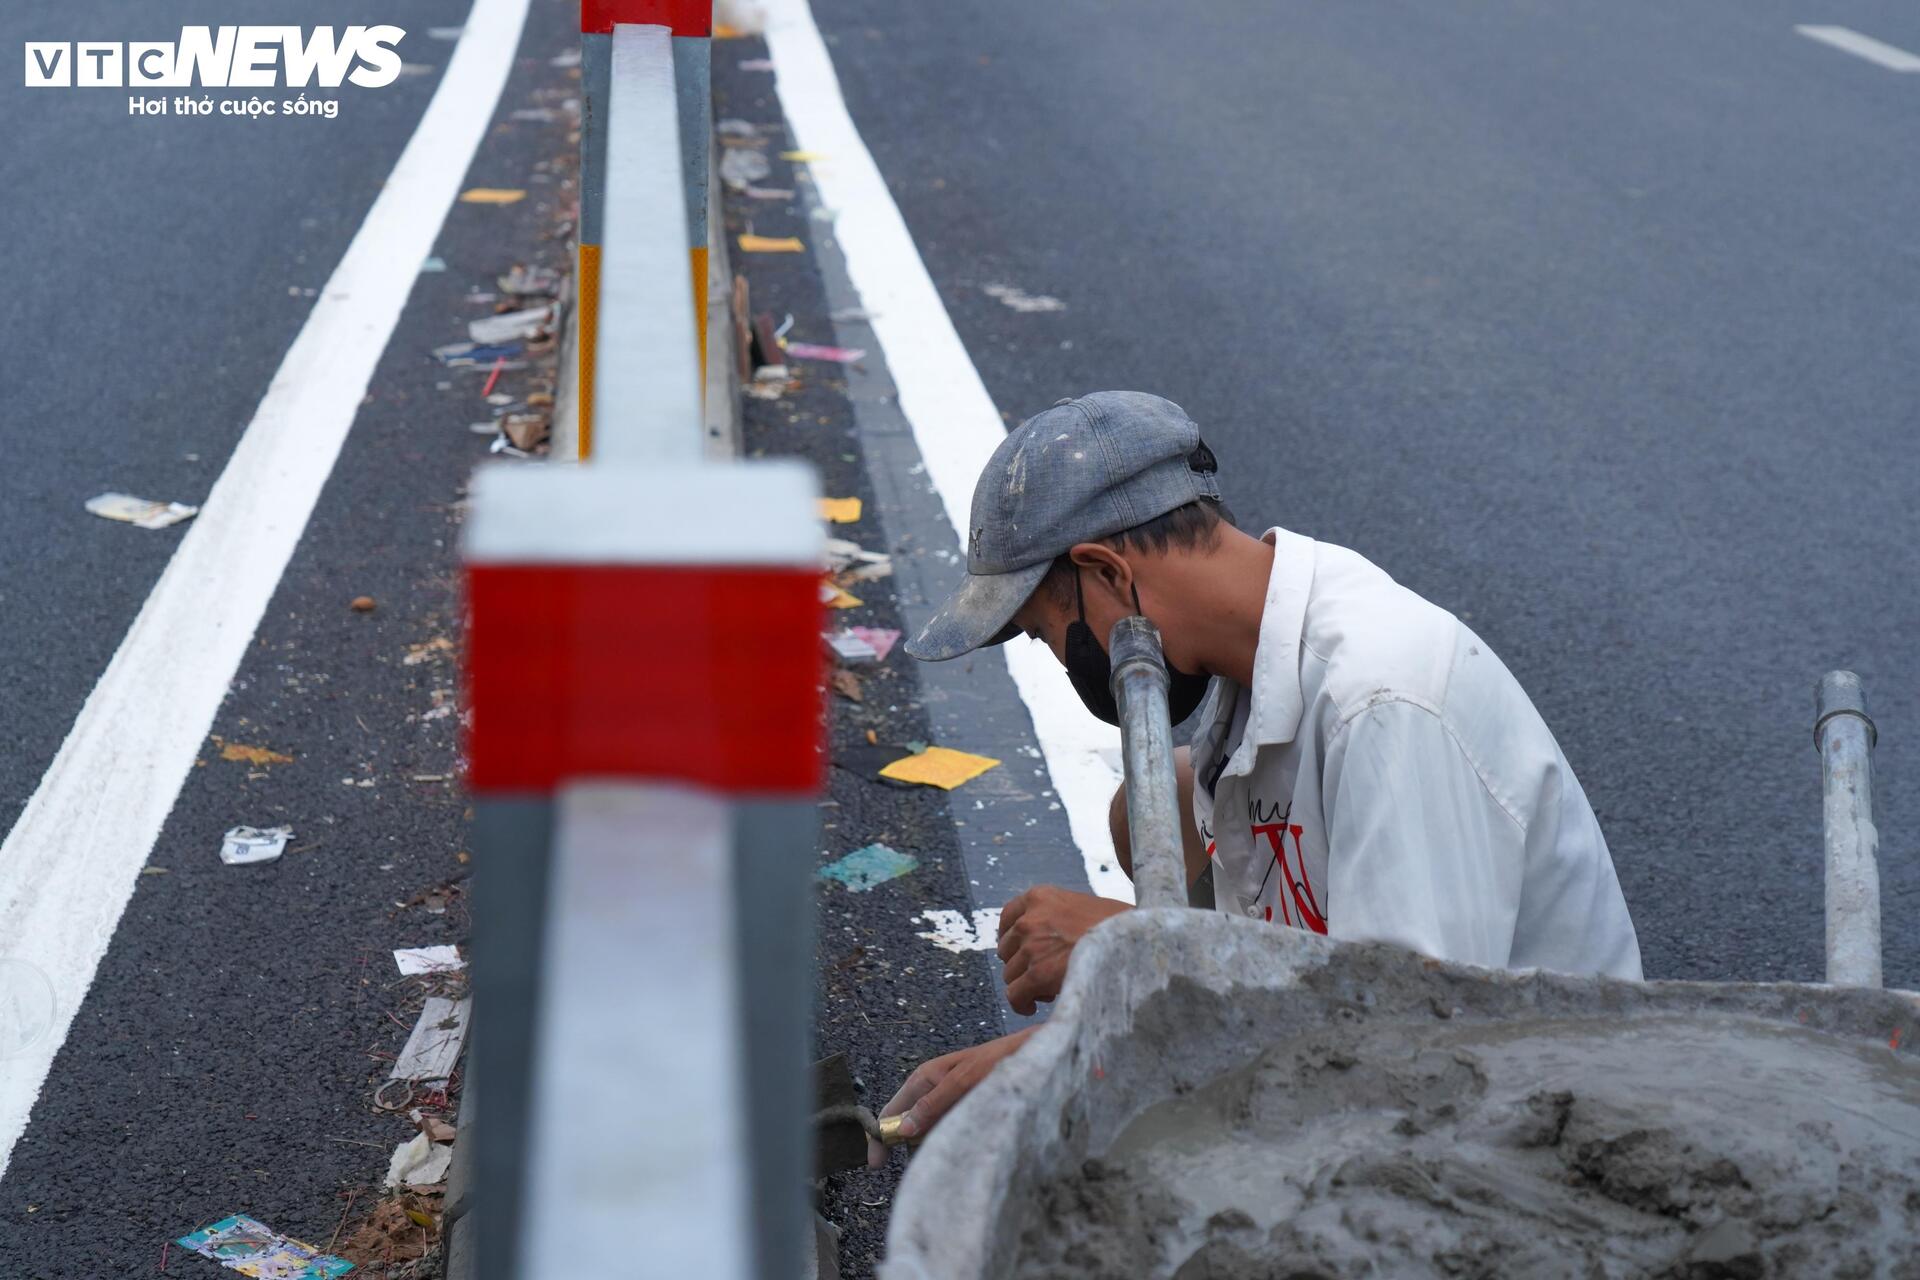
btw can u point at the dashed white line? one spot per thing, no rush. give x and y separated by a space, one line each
68 867
953 418
1877 52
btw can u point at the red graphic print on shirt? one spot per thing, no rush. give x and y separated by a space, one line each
1298 905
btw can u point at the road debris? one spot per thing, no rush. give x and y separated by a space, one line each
881 638
1021 300
525 281
492 195
803 157
960 932
432 266
472 355
419 1162
939 767
813 351
402 1229
864 868
850 648
526 430
844 556
241 1244
434 1045
240 753
771 244
442 959
768 193
426 651
756 64
512 326
840 510
836 597
847 685
244 846
142 513
362 604
740 168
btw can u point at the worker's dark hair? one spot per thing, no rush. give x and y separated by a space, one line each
1197 524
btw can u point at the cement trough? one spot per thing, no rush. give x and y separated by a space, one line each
1219 1098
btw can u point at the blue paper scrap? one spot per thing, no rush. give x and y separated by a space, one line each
864 868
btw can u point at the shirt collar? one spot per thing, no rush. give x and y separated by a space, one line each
1273 717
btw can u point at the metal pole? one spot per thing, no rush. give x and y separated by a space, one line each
1139 685
1845 738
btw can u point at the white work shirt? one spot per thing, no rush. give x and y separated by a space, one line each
1387 779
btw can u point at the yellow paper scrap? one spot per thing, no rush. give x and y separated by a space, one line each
252 755
840 510
721 31
939 767
803 157
771 244
492 195
838 598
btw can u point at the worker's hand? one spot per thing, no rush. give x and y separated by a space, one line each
1038 931
937 1084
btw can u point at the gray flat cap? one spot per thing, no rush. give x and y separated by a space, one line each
1082 470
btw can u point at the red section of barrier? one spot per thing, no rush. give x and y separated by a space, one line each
686 17
689 673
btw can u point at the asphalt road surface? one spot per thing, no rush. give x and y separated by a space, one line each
158 269
1594 325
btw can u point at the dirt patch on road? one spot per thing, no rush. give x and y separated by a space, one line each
1692 1147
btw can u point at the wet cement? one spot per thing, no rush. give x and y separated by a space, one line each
1698 1146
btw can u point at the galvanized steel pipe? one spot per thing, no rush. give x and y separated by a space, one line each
1845 737
1139 684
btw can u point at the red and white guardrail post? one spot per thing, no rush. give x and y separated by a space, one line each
643 669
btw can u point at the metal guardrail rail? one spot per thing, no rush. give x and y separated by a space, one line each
644 676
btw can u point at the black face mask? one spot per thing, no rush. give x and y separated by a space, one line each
1091 671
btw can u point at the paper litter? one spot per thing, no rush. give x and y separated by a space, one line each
512 326
939 767
864 868
445 959
771 244
434 1045
243 846
850 648
253 1249
142 513
419 1162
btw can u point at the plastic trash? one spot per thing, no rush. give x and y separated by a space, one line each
142 513
245 845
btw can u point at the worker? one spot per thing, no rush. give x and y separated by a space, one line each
1362 765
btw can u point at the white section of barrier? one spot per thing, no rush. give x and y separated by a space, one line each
646 392
638 1152
699 513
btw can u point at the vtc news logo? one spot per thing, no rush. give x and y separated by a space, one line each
222 58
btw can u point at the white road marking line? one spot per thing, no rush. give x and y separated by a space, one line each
1874 51
954 421
68 867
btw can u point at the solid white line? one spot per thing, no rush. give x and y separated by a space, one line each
68 867
1874 51
954 420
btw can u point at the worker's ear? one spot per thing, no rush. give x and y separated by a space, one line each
1103 568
